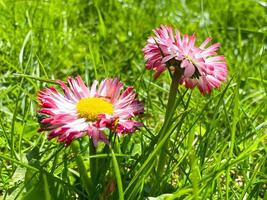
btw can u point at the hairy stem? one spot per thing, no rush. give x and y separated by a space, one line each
170 109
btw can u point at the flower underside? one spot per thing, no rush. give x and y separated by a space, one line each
90 108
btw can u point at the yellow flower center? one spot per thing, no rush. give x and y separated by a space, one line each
90 108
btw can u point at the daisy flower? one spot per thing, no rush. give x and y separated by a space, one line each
81 110
201 66
160 49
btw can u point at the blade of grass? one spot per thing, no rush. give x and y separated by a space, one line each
35 78
117 174
18 162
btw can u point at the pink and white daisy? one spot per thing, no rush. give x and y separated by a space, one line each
201 66
160 49
81 110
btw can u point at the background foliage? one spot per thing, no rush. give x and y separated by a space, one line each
217 144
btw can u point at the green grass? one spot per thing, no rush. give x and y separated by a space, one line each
217 144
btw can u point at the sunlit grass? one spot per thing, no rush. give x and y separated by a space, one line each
217 143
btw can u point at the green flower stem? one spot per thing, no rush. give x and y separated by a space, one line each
93 162
86 181
168 117
172 97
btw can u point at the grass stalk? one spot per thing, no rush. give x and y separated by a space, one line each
117 174
86 181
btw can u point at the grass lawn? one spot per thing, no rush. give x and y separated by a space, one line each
214 146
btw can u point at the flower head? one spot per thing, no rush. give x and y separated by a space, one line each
81 110
201 66
160 49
